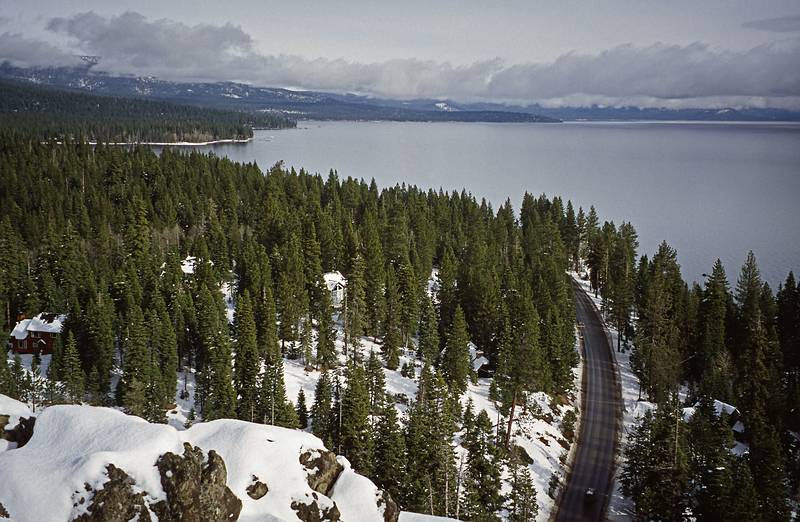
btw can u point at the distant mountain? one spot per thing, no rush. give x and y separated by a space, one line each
242 97
331 106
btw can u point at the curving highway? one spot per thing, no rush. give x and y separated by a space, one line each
594 458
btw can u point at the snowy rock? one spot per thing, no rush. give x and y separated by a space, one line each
100 464
195 487
116 501
323 470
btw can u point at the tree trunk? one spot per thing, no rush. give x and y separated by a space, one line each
511 419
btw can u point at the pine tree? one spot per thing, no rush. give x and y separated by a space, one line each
134 363
72 372
6 382
355 318
654 473
154 393
19 380
220 401
409 302
482 485
302 411
167 344
759 392
376 383
274 407
326 335
389 452
248 360
356 432
374 276
306 344
455 361
522 499
428 333
712 363
657 352
744 502
292 297
321 409
392 336
710 462
312 269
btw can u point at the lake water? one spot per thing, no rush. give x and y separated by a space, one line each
709 189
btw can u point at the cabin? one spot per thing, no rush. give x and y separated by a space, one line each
36 335
336 284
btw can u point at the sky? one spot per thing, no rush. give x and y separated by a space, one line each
677 53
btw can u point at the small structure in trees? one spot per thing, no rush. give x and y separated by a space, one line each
36 335
336 284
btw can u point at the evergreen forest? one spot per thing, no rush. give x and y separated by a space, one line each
46 113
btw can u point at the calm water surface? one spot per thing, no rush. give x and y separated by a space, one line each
710 190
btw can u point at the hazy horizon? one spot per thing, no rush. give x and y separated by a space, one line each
677 55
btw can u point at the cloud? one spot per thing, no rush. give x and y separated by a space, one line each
657 75
784 24
19 50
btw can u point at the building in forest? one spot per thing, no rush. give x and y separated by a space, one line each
336 284
36 335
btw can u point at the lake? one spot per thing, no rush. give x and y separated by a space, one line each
709 189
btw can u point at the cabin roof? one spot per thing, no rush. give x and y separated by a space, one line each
44 322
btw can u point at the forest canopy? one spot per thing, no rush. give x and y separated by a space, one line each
45 113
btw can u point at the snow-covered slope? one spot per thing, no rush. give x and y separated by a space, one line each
65 464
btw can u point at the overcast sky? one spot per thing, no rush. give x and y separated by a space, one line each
641 52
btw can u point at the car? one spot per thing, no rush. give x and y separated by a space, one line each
589 496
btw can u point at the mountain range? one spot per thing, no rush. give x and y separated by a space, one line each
314 105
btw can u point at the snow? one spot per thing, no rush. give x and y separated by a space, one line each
356 496
177 416
72 445
188 264
433 285
15 410
477 360
407 516
47 323
20 331
230 304
334 279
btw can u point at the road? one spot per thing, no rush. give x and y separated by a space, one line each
594 458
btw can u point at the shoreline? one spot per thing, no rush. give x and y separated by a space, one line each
168 143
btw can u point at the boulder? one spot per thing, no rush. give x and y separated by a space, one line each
323 469
116 501
21 433
256 489
195 487
311 512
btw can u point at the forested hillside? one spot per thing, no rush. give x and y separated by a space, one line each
46 113
99 233
736 344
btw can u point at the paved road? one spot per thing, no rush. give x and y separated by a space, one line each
594 460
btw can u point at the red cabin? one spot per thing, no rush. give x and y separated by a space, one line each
38 334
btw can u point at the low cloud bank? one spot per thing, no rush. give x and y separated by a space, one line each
659 75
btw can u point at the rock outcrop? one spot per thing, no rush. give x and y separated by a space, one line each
323 470
312 512
195 487
98 464
116 501
256 489
21 433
